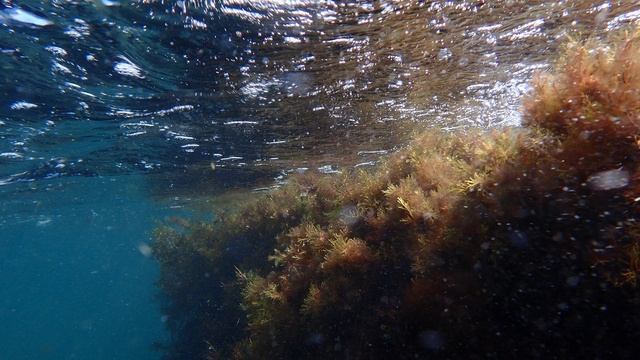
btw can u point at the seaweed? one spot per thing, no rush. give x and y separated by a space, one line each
513 242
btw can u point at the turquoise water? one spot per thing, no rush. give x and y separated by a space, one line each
115 115
74 283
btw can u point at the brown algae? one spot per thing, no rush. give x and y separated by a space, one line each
512 243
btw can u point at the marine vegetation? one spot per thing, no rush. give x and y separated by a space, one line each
521 242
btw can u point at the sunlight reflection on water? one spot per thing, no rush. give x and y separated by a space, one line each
175 86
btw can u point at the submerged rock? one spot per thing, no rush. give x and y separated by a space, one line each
513 243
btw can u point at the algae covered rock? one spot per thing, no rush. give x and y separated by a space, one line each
518 242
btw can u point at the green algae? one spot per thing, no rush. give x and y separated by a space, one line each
519 242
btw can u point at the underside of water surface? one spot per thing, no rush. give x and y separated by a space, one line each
319 179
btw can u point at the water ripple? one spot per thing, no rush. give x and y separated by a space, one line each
100 87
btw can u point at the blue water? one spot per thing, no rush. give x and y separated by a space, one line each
74 283
115 115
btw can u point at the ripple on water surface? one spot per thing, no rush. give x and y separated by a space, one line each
165 86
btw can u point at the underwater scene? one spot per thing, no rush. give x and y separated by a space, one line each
319 179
